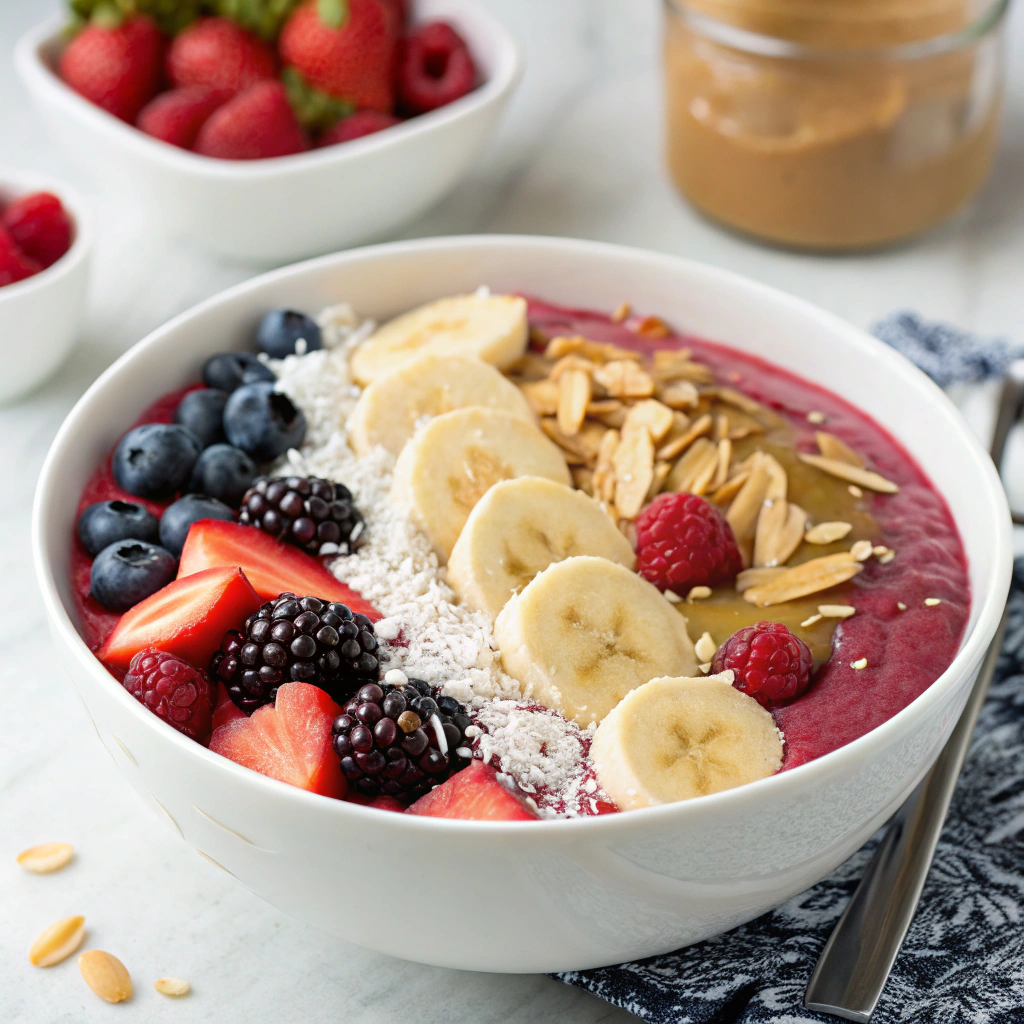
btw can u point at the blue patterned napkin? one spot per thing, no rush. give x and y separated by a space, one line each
963 959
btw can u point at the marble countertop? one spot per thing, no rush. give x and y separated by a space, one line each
577 155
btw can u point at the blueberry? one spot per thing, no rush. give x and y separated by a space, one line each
177 518
263 422
281 330
106 522
128 571
224 473
229 370
155 460
202 413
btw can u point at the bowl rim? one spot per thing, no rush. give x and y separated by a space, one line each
989 604
35 71
22 182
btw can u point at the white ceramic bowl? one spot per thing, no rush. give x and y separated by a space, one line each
41 317
551 895
274 211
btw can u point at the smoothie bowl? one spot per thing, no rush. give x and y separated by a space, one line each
629 634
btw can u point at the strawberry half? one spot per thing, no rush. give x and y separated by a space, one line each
289 740
271 566
474 794
188 617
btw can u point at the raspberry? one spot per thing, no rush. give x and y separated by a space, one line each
356 126
174 691
15 266
683 542
39 226
771 664
436 68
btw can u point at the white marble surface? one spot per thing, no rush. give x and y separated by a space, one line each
578 155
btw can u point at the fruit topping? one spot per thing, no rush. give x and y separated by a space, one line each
255 124
283 332
298 640
682 542
675 739
39 226
273 568
128 571
106 522
768 661
357 126
263 422
224 709
475 794
223 472
435 68
188 617
177 520
401 741
201 412
173 690
228 371
219 54
15 266
155 460
585 632
118 68
176 116
316 515
289 740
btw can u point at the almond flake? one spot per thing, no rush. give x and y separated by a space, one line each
603 406
837 611
855 491
778 480
656 417
46 857
531 366
931 602
571 448
852 474
653 327
833 448
780 529
634 472
680 394
735 398
698 593
746 506
173 987
859 664
756 577
901 606
807 578
542 396
604 469
862 550
621 313
573 398
58 942
698 428
878 550
724 458
807 623
721 427
598 351
815 417
672 366
887 557
705 667
730 488
741 425
694 471
705 648
573 361
661 472
827 533
672 597
624 379
105 975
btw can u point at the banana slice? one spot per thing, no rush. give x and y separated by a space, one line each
491 327
451 463
585 632
674 739
388 410
518 529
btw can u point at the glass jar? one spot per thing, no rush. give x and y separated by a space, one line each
832 124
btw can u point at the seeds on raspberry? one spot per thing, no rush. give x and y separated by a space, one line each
769 663
173 690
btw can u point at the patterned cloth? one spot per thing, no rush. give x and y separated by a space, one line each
963 959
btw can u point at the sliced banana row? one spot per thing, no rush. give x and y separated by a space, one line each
675 739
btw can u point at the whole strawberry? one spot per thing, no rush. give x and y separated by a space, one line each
256 124
39 226
218 54
117 68
177 115
357 125
344 48
174 691
435 68
770 663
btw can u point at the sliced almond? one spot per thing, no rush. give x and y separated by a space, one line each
780 529
734 398
698 594
721 428
679 394
650 414
851 474
722 468
624 379
677 365
173 987
862 550
570 445
573 398
815 417
530 366
634 472
604 468
572 361
542 396
694 471
808 578
661 471
833 448
811 620
46 857
746 506
836 611
588 440
757 577
621 313
705 648
827 533
778 479
730 488
58 942
615 417
105 975
603 406
700 426
741 425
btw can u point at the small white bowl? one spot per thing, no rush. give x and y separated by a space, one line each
546 895
41 317
274 211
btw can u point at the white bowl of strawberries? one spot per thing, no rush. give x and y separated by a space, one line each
304 128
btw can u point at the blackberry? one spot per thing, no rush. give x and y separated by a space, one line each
388 742
316 515
297 640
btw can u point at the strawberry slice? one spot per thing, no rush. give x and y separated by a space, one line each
289 740
224 708
187 617
474 794
271 566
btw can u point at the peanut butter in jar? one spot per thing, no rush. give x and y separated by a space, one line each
831 124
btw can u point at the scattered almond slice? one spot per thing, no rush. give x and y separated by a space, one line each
815 417
730 488
604 468
571 448
621 313
827 533
672 597
624 379
779 531
931 602
705 667
698 428
808 578
634 472
901 606
811 621
696 467
57 942
734 398
852 474
705 648
757 577
887 557
679 394
542 396
836 611
573 399
859 664
746 506
698 594
833 448
721 429
677 365
661 472
861 550
105 975
603 406
173 987
722 469
855 491
651 414
46 857
572 361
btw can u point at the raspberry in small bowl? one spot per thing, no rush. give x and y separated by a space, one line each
45 240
